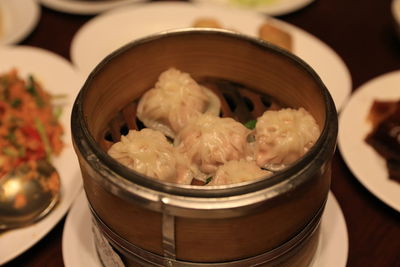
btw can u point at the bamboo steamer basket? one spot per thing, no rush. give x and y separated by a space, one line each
148 222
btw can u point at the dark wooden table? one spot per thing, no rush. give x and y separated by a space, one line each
362 33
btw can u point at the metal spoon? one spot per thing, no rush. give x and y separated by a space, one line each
27 194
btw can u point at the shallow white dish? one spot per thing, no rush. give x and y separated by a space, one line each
18 18
57 76
366 164
109 31
83 7
271 7
79 249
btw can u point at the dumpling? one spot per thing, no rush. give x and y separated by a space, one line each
283 136
175 100
237 171
149 152
211 141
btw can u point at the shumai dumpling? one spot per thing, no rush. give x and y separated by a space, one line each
210 141
148 152
237 171
175 100
283 136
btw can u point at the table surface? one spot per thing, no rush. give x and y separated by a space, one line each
362 33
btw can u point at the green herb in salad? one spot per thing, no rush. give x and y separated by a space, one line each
31 88
15 103
43 135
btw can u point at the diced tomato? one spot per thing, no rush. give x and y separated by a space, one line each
38 151
30 132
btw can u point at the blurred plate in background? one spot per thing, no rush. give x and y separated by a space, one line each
366 164
85 7
111 30
269 7
18 18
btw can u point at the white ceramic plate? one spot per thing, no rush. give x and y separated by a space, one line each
85 7
109 31
269 7
367 166
17 19
79 248
58 77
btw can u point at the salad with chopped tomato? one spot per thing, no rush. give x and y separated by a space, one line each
29 122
